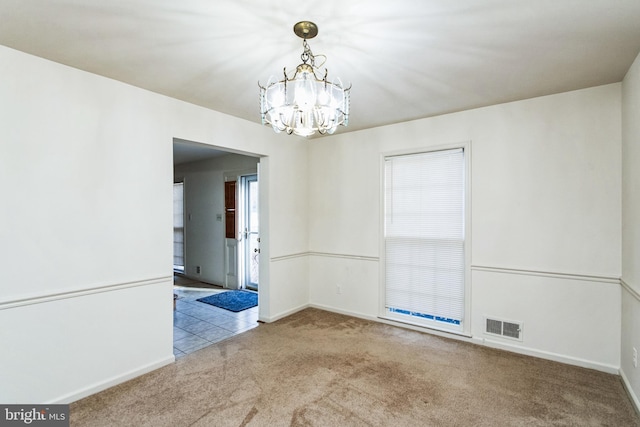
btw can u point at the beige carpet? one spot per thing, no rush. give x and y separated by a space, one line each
316 368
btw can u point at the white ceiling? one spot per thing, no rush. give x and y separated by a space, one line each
406 59
188 151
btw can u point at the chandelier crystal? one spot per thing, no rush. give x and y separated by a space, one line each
303 103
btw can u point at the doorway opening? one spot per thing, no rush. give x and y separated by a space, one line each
214 261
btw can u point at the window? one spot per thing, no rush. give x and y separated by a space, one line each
178 227
425 268
230 209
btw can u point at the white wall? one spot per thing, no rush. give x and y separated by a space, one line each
86 166
545 229
204 200
631 228
288 228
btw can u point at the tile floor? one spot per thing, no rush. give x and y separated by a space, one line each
197 325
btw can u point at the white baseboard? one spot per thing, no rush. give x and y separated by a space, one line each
345 312
569 360
632 395
283 314
88 391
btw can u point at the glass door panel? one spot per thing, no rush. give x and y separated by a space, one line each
252 228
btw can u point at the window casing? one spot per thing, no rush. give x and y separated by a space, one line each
178 227
425 247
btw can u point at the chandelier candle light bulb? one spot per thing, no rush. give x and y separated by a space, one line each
303 104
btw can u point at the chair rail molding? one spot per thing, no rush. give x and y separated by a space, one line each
43 298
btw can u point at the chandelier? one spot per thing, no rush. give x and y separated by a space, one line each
303 103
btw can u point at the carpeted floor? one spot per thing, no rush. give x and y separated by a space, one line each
316 368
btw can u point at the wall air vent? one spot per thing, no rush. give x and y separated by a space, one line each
503 328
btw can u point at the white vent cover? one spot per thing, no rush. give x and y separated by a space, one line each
503 328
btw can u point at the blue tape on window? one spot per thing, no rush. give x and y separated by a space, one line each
424 316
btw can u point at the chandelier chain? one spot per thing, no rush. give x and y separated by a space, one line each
307 55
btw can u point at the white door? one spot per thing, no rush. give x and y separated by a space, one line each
231 235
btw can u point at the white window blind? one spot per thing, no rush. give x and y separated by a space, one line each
424 238
178 226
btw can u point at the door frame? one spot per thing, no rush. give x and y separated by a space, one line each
234 248
264 176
